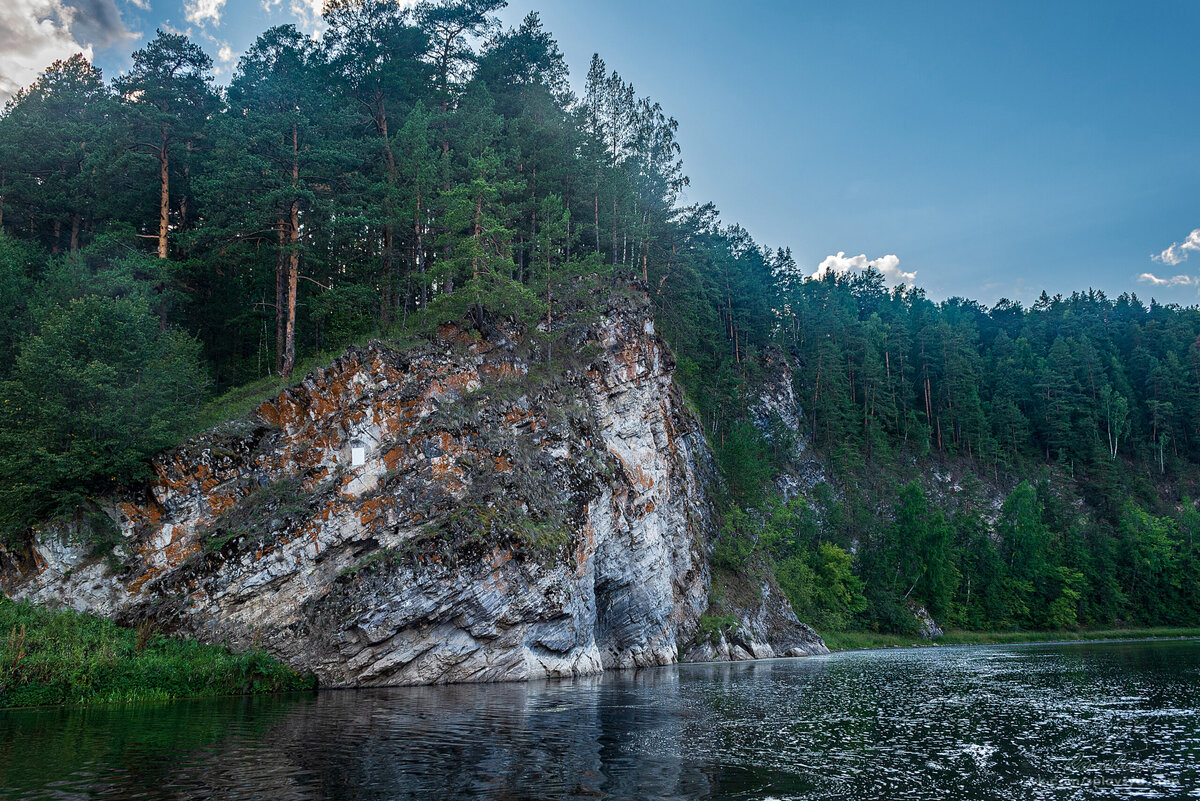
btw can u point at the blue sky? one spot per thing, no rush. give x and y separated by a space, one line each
991 149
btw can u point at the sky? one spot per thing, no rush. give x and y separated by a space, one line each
983 150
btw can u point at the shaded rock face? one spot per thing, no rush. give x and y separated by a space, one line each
768 629
777 412
928 627
434 515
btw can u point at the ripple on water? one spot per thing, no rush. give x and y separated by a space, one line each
1030 722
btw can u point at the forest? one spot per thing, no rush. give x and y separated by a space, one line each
168 242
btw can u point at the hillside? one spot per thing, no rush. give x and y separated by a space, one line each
435 514
423 179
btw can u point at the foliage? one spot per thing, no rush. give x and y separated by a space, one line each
713 627
97 370
861 640
61 657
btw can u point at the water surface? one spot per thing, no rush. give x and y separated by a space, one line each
1074 721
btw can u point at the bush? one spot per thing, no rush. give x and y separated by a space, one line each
61 657
98 390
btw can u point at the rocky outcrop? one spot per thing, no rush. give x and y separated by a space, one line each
927 626
768 628
777 412
456 511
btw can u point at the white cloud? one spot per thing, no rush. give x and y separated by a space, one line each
1180 250
1174 280
889 266
34 33
201 12
225 60
144 5
308 15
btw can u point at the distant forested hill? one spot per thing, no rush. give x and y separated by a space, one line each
166 240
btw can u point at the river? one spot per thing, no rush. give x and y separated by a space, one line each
1072 721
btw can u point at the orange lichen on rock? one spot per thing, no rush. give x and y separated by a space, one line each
179 549
135 586
449 444
391 458
501 370
447 473
636 475
150 514
219 504
453 333
269 414
374 510
584 549
454 383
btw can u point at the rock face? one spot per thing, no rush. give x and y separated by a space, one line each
928 627
777 413
761 631
459 511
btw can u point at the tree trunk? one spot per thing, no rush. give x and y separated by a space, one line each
293 265
385 283
419 255
475 256
280 300
293 273
75 223
164 199
614 232
386 302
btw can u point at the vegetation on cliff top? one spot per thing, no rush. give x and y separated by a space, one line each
162 238
62 657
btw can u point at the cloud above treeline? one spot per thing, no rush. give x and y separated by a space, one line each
35 33
202 12
888 265
1169 281
1179 251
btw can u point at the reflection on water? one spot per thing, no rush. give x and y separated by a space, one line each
1025 722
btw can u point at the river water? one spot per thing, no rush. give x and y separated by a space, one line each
1080 721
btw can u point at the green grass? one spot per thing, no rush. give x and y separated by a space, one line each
861 640
52 657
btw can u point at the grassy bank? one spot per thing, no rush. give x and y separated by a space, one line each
859 640
61 657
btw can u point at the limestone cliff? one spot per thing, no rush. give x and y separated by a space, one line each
455 511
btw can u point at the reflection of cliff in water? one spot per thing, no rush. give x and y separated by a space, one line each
616 735
584 737
632 734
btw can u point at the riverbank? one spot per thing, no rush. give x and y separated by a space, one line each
52 657
867 640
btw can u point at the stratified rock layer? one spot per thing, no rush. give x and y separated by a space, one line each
439 514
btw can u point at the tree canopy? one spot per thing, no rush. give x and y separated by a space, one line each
163 238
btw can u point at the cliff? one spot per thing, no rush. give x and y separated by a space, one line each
456 511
